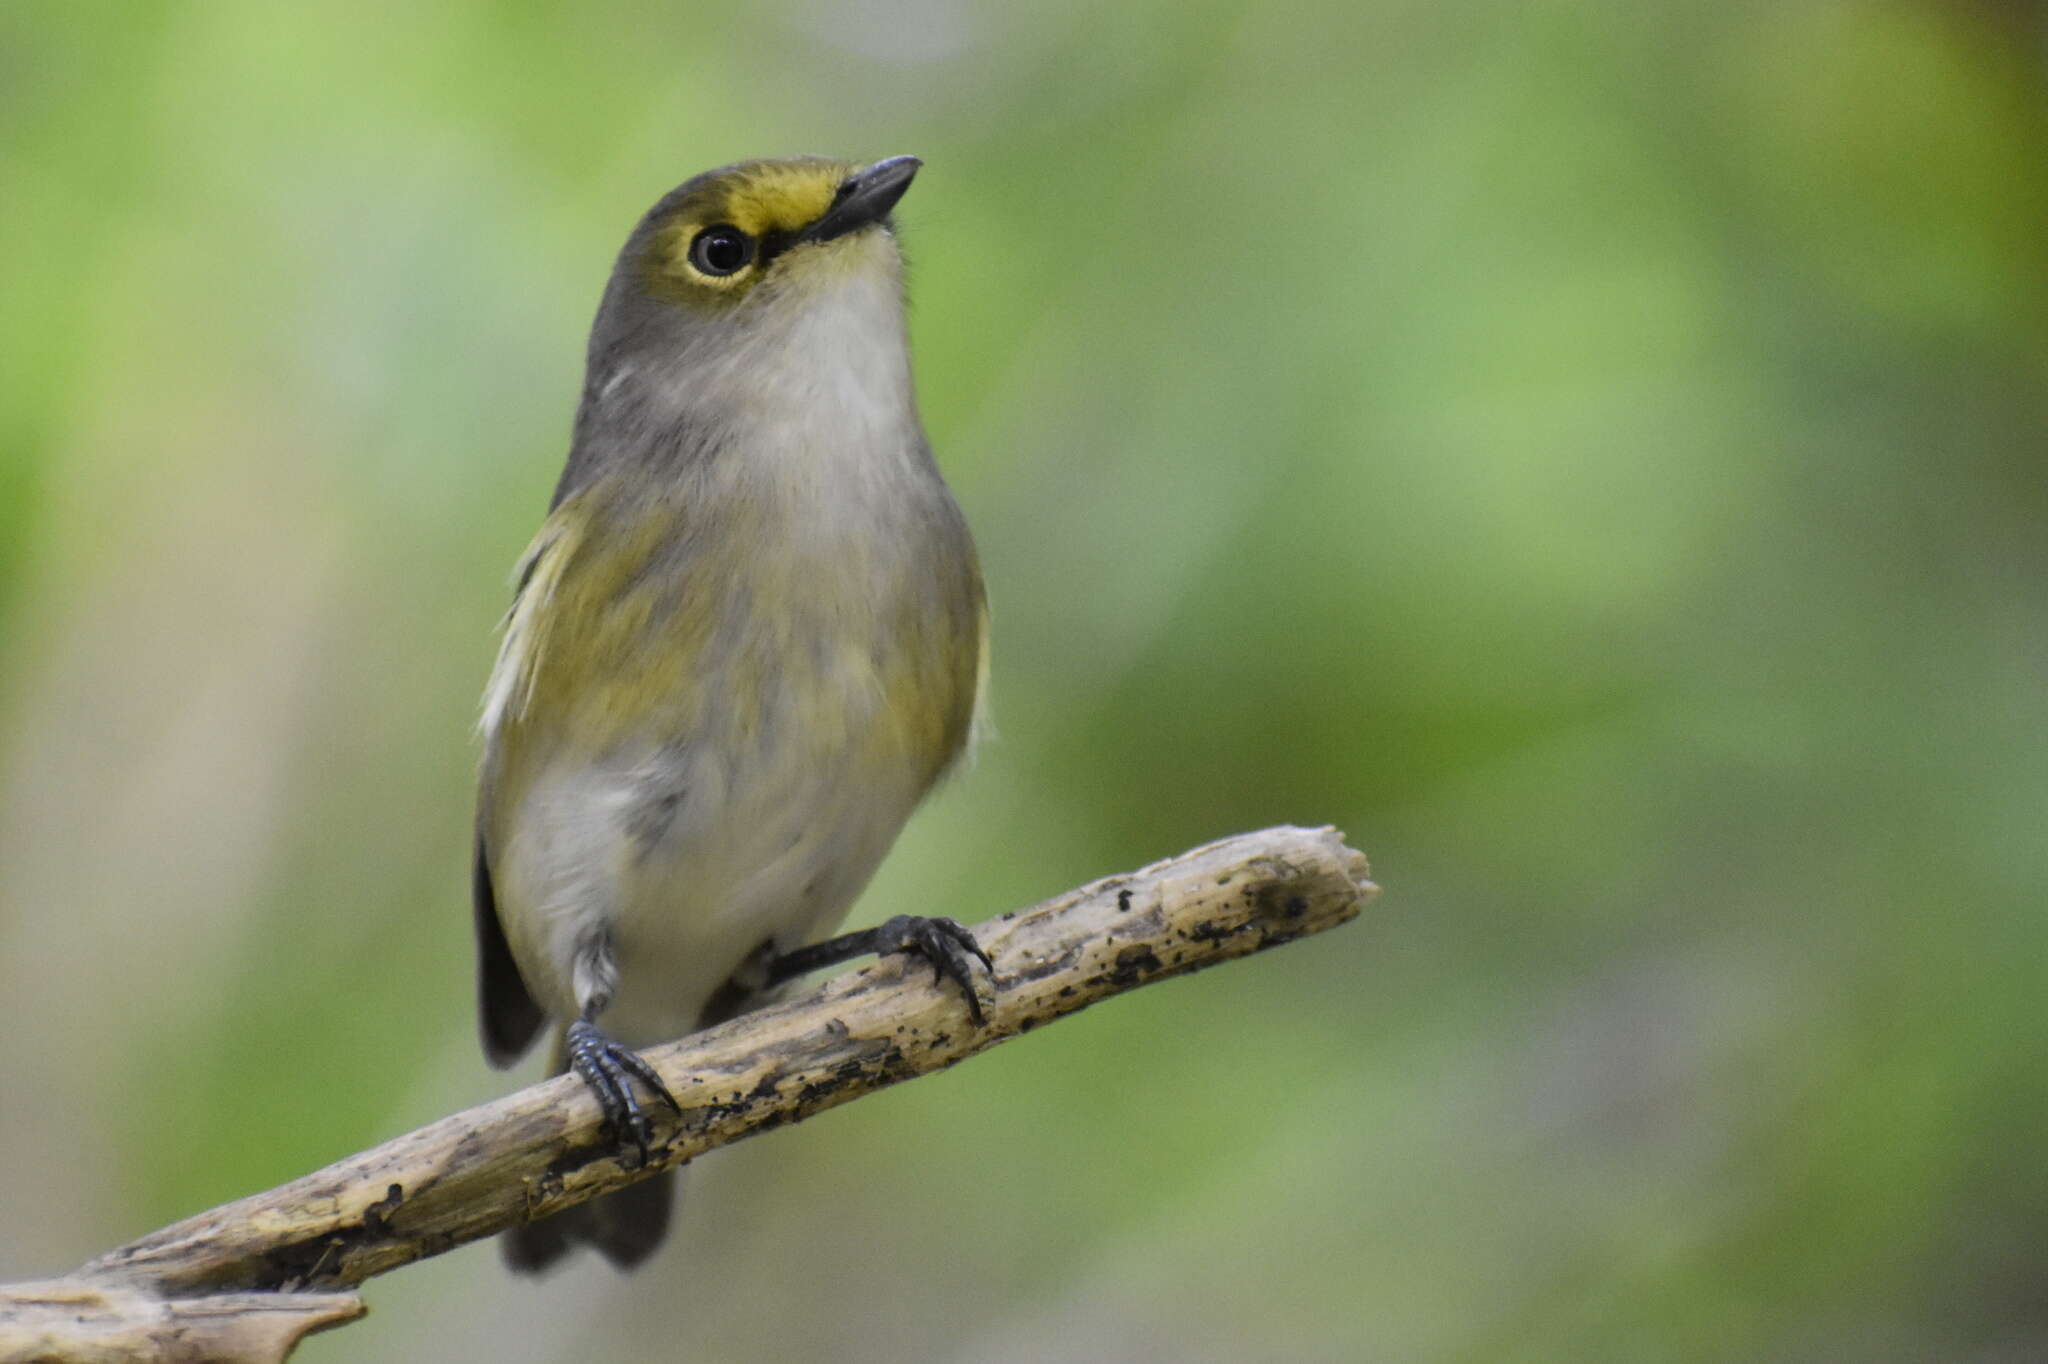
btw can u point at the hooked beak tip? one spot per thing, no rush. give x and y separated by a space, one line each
865 197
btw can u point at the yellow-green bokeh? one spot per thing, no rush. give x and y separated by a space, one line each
1591 452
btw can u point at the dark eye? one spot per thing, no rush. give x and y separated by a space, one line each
721 250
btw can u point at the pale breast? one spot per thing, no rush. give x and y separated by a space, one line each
715 743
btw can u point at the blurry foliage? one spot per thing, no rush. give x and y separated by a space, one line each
1590 452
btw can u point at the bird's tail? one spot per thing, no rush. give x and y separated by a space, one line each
625 1227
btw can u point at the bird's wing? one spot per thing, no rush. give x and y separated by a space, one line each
505 1008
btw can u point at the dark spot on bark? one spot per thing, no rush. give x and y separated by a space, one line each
842 1075
1133 964
377 1217
295 1266
819 1089
319 1258
1211 931
1281 900
1123 900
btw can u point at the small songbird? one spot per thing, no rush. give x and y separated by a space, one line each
748 639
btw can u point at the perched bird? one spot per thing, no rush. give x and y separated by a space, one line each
748 639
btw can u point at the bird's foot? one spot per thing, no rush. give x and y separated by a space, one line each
610 1068
942 942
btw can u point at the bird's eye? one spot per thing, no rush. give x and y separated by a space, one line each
721 250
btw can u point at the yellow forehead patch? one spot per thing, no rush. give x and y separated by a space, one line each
781 196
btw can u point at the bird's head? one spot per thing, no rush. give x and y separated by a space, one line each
768 227
753 280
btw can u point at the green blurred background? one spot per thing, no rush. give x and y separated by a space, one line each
1591 452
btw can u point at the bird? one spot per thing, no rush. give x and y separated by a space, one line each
749 638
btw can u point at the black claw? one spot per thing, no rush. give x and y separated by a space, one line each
945 944
609 1069
942 942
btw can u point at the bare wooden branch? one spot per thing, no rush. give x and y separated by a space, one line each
541 1150
78 1321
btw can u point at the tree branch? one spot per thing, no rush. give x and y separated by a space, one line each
541 1150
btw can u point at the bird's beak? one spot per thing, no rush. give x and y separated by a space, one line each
866 197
